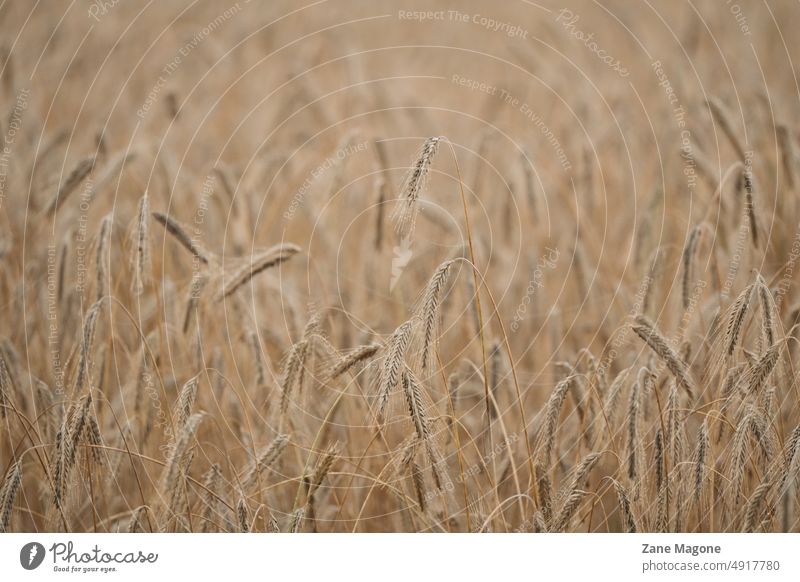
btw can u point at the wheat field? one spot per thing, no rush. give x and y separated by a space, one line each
354 266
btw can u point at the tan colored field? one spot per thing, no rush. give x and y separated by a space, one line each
383 266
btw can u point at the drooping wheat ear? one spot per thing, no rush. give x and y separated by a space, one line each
760 428
186 399
791 460
689 254
180 456
242 516
68 186
700 460
84 359
8 492
563 517
738 456
6 387
633 424
767 310
613 394
758 374
136 517
360 354
297 520
416 408
581 472
272 525
753 511
405 214
181 234
394 363
102 258
747 183
659 458
258 358
112 170
792 448
62 266
92 436
662 486
430 309
211 484
788 154
736 319
725 119
293 372
673 426
141 258
628 521
544 488
261 262
67 443
553 412
321 470
648 282
418 480
653 338
265 460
